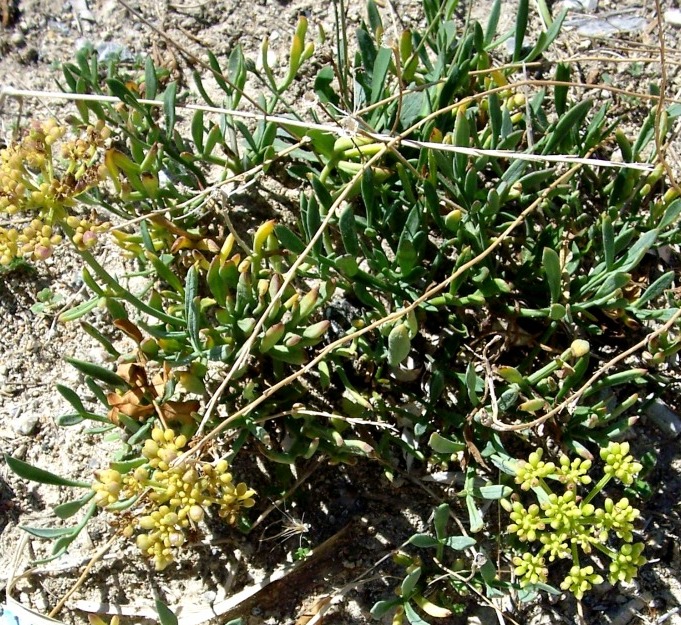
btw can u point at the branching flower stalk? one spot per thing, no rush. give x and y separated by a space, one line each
566 524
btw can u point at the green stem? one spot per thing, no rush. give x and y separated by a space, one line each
328 168
575 553
604 549
545 486
598 488
157 486
440 551
548 369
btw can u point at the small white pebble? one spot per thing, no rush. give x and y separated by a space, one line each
673 17
26 424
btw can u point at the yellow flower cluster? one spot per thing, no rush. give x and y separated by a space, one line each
619 464
177 496
8 245
85 231
563 524
35 241
40 176
107 487
530 472
580 580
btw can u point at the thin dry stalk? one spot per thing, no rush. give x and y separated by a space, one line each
83 576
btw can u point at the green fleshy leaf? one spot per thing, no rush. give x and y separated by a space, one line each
150 81
48 532
423 540
165 615
474 516
29 472
492 492
412 616
459 543
169 105
68 509
442 445
409 583
98 373
551 263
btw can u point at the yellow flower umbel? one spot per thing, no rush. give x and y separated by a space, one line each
8 245
40 177
86 232
178 497
563 525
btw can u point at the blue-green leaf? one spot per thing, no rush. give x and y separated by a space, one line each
551 263
68 509
29 472
671 214
381 608
492 23
412 616
459 543
169 106
474 516
191 308
423 540
440 520
409 583
78 311
165 615
150 81
346 223
378 79
656 289
520 28
48 532
608 233
496 491
71 396
442 445
98 373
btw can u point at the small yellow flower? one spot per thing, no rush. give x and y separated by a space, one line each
625 565
529 473
526 522
573 473
107 487
531 569
178 496
619 464
579 580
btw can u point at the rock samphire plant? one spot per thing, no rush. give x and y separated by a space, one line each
465 263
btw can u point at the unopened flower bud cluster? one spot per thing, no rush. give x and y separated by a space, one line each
177 496
40 177
563 526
